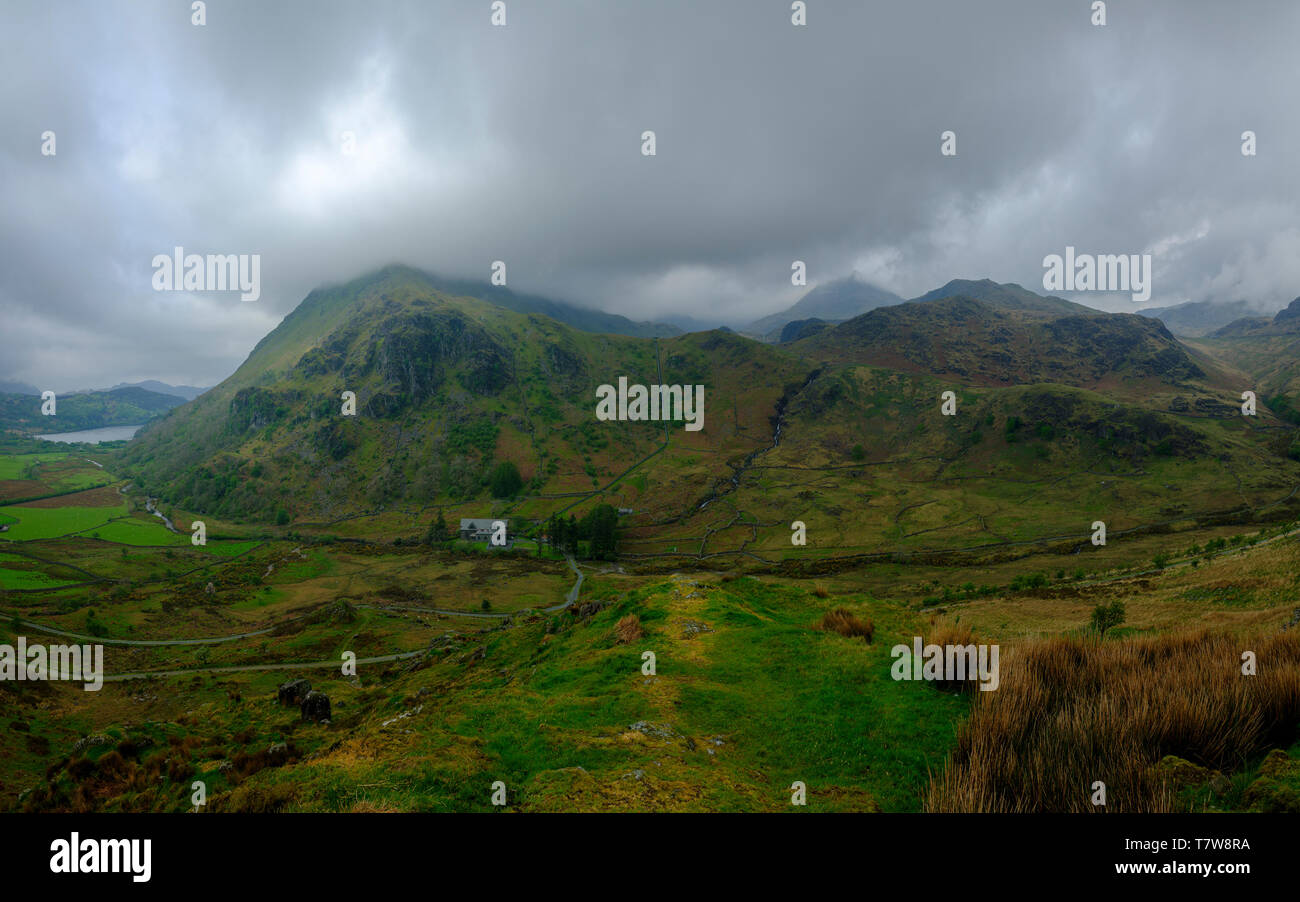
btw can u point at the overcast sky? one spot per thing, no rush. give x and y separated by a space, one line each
522 143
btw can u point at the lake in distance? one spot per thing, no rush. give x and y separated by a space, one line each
93 436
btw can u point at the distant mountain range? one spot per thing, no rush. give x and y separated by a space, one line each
843 299
1267 350
1199 318
74 412
1006 336
830 302
1285 321
447 386
188 392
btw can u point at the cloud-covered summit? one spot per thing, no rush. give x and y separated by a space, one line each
522 143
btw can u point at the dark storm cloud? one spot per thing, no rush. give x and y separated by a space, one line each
522 144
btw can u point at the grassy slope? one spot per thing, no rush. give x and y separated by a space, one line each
925 481
1266 361
559 710
551 706
734 715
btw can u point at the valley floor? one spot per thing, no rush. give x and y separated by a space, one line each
681 686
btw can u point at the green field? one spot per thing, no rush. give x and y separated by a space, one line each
139 531
24 576
57 472
52 522
15 466
227 547
27 579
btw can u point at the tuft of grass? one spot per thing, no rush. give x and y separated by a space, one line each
846 623
1070 712
628 629
945 634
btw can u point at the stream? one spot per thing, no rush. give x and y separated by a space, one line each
151 508
778 422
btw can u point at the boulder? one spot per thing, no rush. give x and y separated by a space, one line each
1277 786
1179 773
316 706
91 741
587 608
293 692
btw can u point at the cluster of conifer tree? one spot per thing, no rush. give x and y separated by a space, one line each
596 533
598 529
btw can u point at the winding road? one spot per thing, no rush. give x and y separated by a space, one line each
569 599
97 640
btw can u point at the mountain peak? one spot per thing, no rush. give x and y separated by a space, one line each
993 341
583 318
1290 312
1007 296
832 301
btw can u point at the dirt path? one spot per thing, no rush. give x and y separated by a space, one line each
243 668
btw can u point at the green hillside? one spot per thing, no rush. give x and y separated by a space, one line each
444 388
1061 420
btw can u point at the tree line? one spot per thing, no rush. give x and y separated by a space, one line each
598 529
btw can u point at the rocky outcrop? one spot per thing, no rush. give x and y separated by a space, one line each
1277 785
413 353
256 408
564 366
